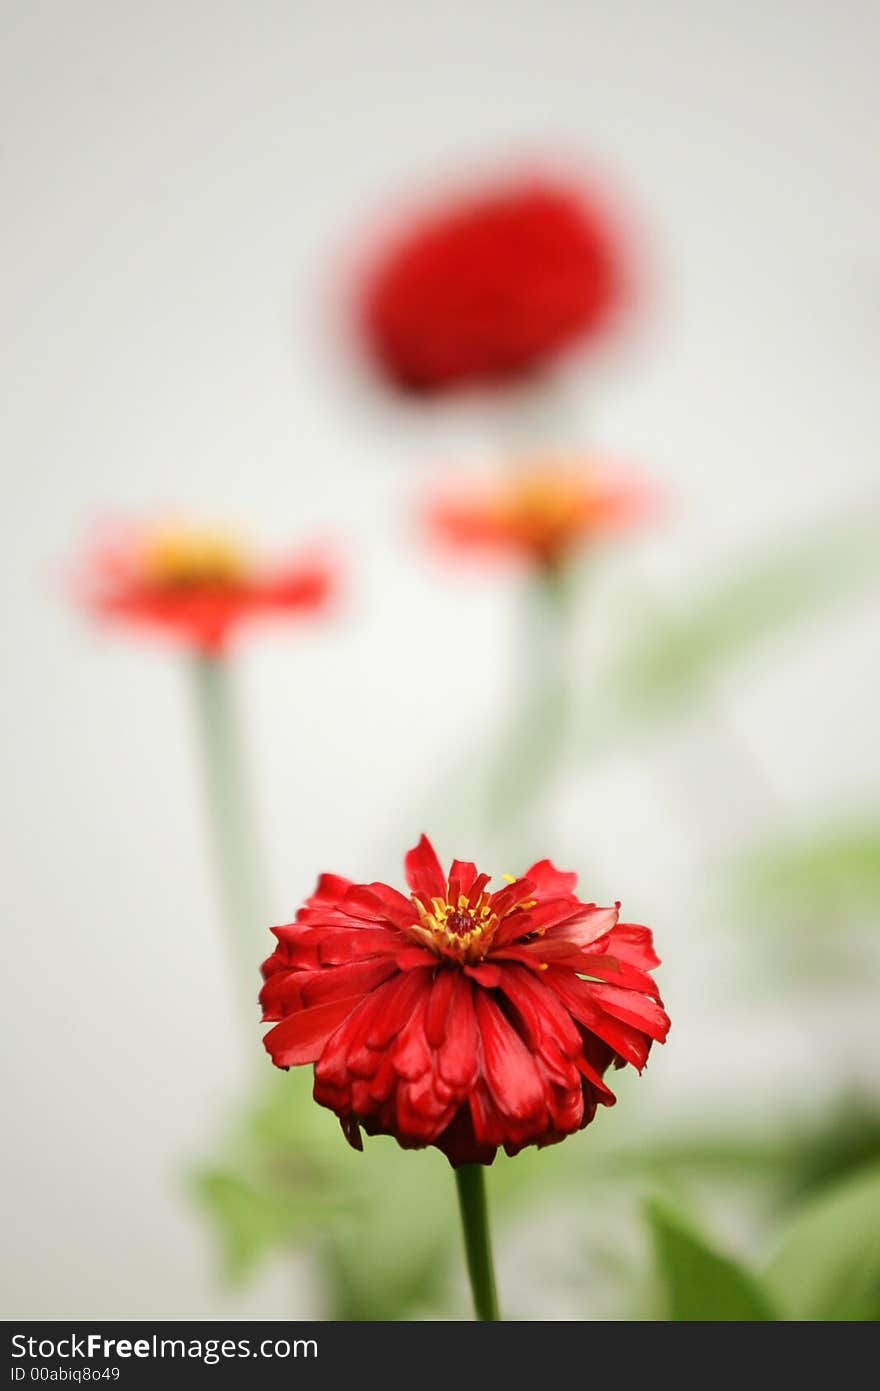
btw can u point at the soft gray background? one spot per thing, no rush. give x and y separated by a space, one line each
182 182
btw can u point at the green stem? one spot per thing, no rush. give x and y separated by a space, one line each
239 870
535 742
475 1224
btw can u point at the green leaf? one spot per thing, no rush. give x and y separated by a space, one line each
676 655
827 1265
699 1282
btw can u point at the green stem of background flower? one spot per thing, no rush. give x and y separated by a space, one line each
537 737
471 1186
238 862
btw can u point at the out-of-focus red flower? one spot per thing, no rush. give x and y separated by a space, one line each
457 1017
541 512
196 584
493 286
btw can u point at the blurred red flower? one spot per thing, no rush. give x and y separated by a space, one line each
541 512
196 584
457 1017
492 286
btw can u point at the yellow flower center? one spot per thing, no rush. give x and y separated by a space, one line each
462 929
546 505
179 555
547 497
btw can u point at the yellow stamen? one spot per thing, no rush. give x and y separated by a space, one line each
461 929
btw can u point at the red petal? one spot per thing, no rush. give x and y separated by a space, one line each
395 906
457 1056
398 999
330 889
509 1069
485 973
543 1014
600 967
522 921
344 945
534 954
347 1051
382 1084
420 1112
610 968
464 872
352 1132
300 1038
488 1124
594 1077
551 881
423 872
586 928
282 992
361 902
504 899
330 915
411 956
411 1051
634 943
633 1008
337 982
628 1041
439 1005
477 887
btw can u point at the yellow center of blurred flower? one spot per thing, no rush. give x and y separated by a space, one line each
545 504
177 555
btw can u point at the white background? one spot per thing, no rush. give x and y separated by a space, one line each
183 183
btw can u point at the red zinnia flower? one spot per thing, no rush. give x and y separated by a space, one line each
196 584
542 512
457 1017
492 286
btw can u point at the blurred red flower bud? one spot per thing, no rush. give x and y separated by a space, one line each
493 286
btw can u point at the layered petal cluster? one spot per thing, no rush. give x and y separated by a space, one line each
457 1016
541 511
492 286
195 584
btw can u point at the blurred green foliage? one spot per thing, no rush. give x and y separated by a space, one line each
674 656
795 1160
287 1179
699 1282
826 1264
835 870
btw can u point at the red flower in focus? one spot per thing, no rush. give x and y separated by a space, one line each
493 286
196 584
457 1017
541 513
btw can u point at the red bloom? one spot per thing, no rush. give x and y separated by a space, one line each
197 585
541 513
457 1017
492 286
